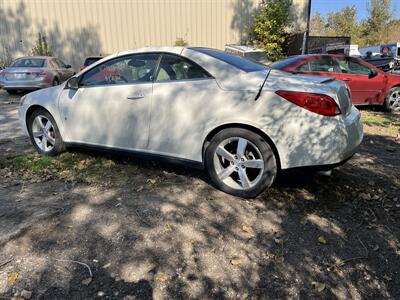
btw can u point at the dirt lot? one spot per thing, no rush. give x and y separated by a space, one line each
86 225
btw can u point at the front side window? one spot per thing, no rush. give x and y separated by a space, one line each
351 66
178 68
322 64
122 70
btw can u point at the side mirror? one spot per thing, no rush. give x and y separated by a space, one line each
68 66
372 74
72 83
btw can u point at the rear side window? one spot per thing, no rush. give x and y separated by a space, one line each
178 68
234 60
29 63
323 64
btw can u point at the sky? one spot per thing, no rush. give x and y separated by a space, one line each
327 6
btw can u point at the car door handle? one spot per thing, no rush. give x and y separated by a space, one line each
135 97
346 79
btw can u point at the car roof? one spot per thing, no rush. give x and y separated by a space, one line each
37 56
175 50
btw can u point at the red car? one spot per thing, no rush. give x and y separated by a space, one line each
368 84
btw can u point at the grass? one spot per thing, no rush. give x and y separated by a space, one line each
375 118
71 166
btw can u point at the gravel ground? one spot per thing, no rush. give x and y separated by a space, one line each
167 233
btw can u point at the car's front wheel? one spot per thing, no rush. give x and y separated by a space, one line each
44 133
240 162
392 101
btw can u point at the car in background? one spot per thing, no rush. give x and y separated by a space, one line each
90 60
249 52
368 85
33 73
239 120
384 61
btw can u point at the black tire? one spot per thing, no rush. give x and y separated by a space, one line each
58 146
389 105
270 165
12 92
56 82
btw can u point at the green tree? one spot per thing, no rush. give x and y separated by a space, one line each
41 47
376 25
270 27
345 23
317 25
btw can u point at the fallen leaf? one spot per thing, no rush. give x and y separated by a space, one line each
168 227
151 180
247 229
162 277
236 261
12 277
87 281
322 240
278 241
318 286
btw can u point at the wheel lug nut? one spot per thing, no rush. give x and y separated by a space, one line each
242 159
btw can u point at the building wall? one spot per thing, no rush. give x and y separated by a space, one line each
77 28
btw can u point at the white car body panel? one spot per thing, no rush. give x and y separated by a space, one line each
175 117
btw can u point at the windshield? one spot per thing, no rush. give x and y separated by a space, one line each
29 63
234 60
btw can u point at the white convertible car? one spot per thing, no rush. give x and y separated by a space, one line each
241 121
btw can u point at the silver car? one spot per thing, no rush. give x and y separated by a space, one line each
34 72
241 121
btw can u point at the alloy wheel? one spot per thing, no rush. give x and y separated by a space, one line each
43 133
394 100
238 163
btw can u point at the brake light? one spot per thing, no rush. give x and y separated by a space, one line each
81 68
316 103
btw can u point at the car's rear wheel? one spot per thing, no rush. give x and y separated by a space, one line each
12 92
44 133
240 162
392 101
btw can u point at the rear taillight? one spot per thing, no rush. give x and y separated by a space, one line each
81 68
316 103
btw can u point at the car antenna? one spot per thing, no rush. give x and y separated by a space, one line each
261 87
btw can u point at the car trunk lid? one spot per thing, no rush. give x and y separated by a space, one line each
313 84
20 74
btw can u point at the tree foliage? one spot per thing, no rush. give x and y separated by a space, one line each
378 28
270 27
41 47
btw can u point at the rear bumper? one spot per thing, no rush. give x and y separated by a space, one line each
321 143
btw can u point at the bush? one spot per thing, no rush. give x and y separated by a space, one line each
41 47
181 42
